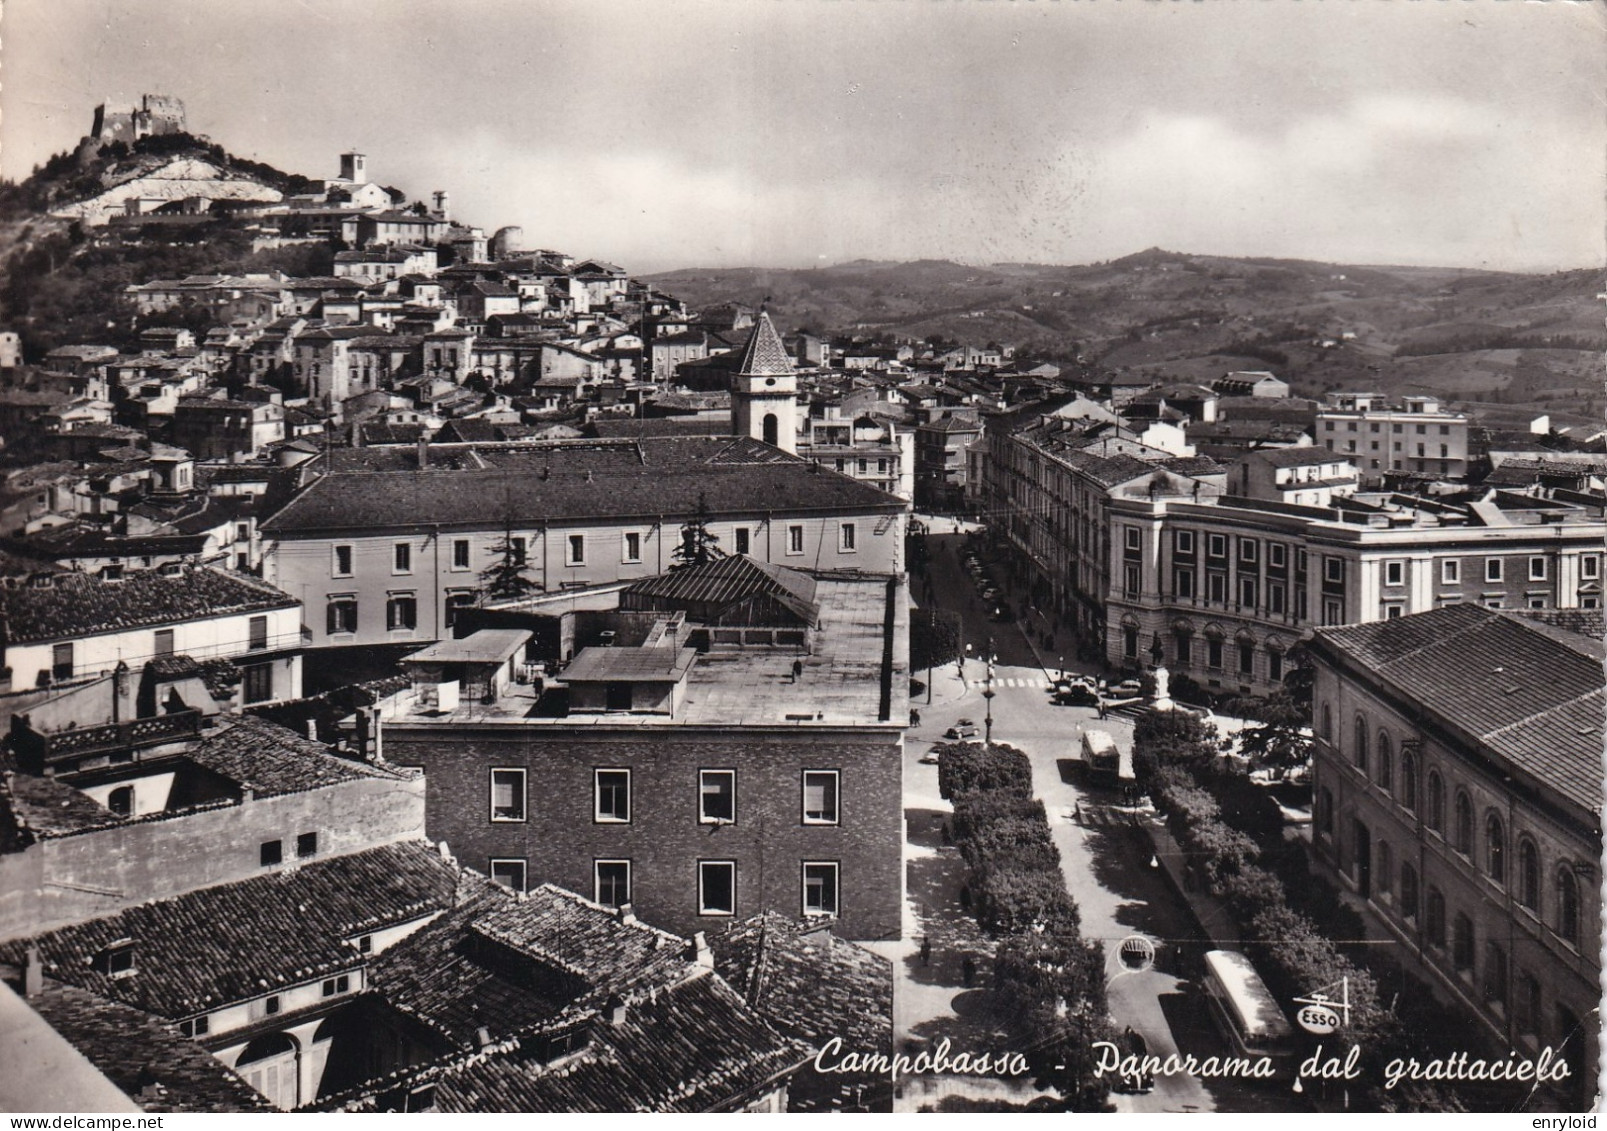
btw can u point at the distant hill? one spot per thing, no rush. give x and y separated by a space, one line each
1504 337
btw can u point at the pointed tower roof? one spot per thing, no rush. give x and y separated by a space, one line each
764 355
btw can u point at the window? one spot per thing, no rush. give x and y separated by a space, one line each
518 548
631 552
402 557
271 852
1248 551
795 539
460 553
820 797
336 986
1537 569
1384 772
1336 569
1394 611
1274 666
61 661
1462 941
1590 566
740 539
1325 811
164 640
820 888
1528 1003
1386 867
508 794
256 682
1183 583
401 611
1408 793
1434 919
455 604
1408 892
1132 538
1492 569
612 879
342 615
1183 642
342 566
1333 612
1359 745
1217 545
1567 905
509 872
1216 584
576 550
1495 848
365 945
613 795
271 1004
256 634
846 537
1327 730
1435 817
1247 591
1450 572
1213 652
1130 580
1246 659
1528 874
716 887
121 800
1183 542
1462 841
195 1027
717 797
1277 555
1394 573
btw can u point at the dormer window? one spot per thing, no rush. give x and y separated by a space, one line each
117 960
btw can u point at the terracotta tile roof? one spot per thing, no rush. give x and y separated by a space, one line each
571 480
148 1059
779 965
79 605
39 808
238 941
270 759
691 1047
764 354
1528 692
727 581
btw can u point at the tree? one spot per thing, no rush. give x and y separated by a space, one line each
505 577
699 545
935 637
1282 740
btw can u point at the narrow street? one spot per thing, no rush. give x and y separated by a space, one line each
1106 859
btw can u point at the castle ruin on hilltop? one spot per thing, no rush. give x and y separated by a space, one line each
155 114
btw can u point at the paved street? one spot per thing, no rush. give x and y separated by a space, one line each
1107 861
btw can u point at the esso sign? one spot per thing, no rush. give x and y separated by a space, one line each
1317 1019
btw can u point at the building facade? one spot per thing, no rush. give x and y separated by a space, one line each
1458 790
1415 435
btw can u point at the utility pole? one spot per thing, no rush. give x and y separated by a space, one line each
987 694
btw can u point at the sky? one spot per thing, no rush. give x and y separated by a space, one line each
783 133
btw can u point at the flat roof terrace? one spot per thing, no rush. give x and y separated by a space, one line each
840 684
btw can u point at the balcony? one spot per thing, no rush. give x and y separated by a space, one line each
38 750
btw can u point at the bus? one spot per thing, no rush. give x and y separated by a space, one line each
1246 1011
1106 761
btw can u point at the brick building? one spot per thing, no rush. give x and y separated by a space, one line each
728 742
1458 790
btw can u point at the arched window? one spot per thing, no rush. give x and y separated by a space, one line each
1325 811
1384 772
1462 839
1436 802
1495 971
771 433
1462 941
1495 848
1408 891
121 800
1386 866
1327 722
1567 905
1434 920
1528 874
1408 794
1360 757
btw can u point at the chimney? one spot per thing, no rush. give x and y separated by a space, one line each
482 1036
423 453
312 729
625 913
617 1012
701 954
33 973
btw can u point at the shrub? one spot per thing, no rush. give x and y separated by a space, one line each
963 767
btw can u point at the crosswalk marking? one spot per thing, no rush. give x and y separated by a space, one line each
1015 681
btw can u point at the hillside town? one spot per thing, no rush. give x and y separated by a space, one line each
469 679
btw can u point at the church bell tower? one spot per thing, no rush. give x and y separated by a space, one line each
764 390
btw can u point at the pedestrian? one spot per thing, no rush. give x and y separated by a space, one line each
797 670
926 951
968 971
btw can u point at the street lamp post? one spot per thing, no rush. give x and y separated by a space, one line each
987 694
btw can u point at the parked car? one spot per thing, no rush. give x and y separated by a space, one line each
1075 693
1127 689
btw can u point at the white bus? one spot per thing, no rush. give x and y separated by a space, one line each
1246 1011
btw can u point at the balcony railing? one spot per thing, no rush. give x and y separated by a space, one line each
131 735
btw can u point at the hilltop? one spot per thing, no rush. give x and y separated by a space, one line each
1478 336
